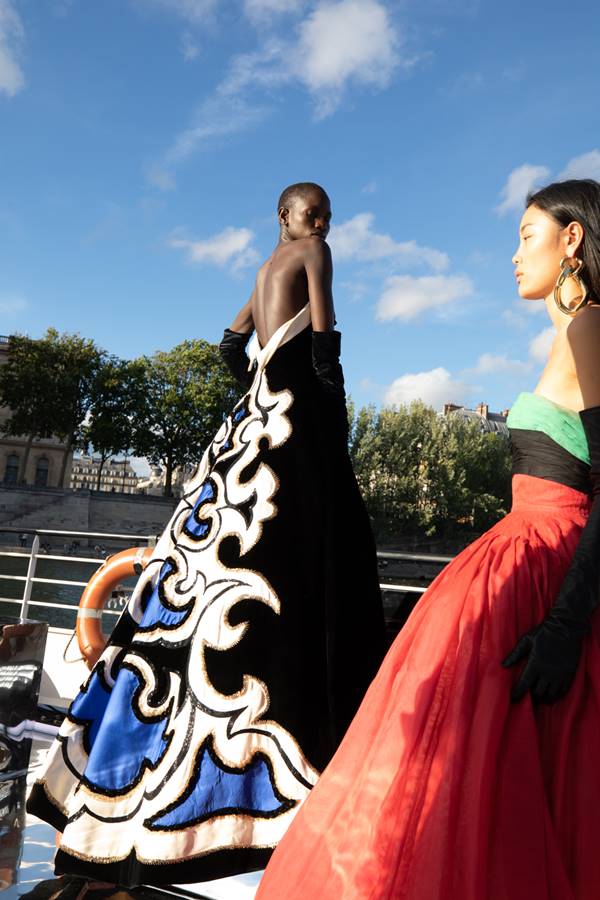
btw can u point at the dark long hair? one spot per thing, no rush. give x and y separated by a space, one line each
577 200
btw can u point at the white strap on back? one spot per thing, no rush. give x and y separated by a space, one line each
284 333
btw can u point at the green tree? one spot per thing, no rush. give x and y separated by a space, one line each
77 362
117 394
423 474
188 391
47 384
26 389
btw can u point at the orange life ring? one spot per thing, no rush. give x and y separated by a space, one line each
88 629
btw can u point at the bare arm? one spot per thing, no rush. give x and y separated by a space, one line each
319 272
244 322
583 335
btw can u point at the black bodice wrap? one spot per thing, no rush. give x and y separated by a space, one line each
536 453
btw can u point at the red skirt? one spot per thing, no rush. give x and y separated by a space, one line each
442 789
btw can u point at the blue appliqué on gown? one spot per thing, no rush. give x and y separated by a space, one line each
218 791
156 613
119 742
192 525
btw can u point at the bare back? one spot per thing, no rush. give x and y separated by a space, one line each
298 272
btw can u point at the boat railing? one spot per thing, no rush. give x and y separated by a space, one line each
39 550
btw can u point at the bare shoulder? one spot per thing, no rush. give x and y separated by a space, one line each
583 332
314 249
583 335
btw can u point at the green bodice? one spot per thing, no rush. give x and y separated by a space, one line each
533 412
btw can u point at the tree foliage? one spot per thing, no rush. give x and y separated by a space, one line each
48 386
188 391
117 393
421 473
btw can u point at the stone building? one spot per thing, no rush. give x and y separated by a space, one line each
488 421
117 475
153 484
41 467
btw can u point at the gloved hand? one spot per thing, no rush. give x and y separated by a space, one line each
326 347
233 352
553 648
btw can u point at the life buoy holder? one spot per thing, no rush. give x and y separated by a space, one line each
88 629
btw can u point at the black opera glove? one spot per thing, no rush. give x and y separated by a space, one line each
553 648
233 352
326 347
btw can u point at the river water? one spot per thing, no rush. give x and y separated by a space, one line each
397 606
73 569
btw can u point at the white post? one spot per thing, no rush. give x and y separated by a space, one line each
35 546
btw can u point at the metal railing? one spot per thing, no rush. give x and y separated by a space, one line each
30 579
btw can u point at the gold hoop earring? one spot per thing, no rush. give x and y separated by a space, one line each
570 268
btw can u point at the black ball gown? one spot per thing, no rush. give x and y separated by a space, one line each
245 651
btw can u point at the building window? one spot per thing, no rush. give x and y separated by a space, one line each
11 473
41 472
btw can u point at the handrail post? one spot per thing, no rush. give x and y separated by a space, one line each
35 546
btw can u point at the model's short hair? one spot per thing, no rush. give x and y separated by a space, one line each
300 189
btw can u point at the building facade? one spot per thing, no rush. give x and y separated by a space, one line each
488 421
36 463
118 475
153 484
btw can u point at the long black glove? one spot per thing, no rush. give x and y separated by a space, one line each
326 347
233 352
554 647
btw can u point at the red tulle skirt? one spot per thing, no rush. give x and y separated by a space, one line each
442 789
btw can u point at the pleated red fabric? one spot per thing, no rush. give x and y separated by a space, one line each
442 789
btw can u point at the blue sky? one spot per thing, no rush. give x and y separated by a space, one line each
143 145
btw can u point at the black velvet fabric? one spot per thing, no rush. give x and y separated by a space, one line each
315 650
320 653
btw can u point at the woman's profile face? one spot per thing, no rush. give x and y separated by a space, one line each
542 245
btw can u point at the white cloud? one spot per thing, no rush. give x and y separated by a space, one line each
197 12
520 182
585 166
10 304
267 67
539 347
465 84
355 239
435 388
160 177
261 11
339 43
491 363
347 41
11 35
216 118
406 297
369 188
189 47
232 246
